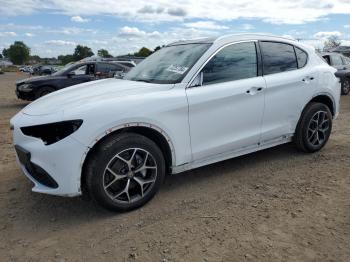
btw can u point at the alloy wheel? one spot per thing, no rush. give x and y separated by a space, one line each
318 129
130 175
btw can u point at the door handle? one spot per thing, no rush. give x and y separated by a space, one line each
253 90
308 78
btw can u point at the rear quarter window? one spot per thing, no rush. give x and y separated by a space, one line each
301 57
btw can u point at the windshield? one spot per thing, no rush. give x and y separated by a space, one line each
65 69
168 65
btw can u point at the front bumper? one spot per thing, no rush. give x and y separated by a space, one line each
29 96
54 169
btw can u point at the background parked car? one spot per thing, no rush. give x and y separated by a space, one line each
341 63
73 74
43 70
26 69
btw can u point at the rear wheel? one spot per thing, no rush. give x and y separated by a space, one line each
314 127
345 87
43 91
125 172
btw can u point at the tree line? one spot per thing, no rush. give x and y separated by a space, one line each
19 53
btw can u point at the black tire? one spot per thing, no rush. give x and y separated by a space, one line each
102 157
308 128
345 86
43 91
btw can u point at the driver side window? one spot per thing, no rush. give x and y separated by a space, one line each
80 70
234 62
337 61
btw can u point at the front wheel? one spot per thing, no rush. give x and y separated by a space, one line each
125 172
314 128
43 91
345 87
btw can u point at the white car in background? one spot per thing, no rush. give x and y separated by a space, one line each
190 104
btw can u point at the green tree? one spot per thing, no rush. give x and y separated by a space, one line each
35 58
332 42
104 53
81 52
5 52
18 53
143 52
157 48
65 59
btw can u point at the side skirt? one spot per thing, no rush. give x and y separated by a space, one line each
231 154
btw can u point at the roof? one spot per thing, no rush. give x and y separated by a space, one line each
231 38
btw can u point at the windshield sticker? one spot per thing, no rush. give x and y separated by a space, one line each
177 69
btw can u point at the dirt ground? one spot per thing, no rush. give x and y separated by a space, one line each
274 205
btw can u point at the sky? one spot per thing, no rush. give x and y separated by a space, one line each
55 27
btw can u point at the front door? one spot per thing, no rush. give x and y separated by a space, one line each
225 112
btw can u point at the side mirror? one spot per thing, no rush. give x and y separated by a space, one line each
198 81
70 74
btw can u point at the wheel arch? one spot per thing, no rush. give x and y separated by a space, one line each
47 85
324 99
153 132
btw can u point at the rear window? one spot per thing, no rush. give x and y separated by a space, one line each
301 57
278 57
346 60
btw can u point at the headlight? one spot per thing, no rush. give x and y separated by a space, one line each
25 88
53 132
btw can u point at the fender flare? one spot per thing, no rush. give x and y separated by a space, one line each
123 126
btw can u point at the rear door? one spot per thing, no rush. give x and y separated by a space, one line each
225 113
290 83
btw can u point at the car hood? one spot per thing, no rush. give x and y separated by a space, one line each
82 95
36 79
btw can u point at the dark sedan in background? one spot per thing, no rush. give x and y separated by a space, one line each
35 87
342 64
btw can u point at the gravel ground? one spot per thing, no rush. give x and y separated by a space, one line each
274 205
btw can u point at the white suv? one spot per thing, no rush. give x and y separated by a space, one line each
190 104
